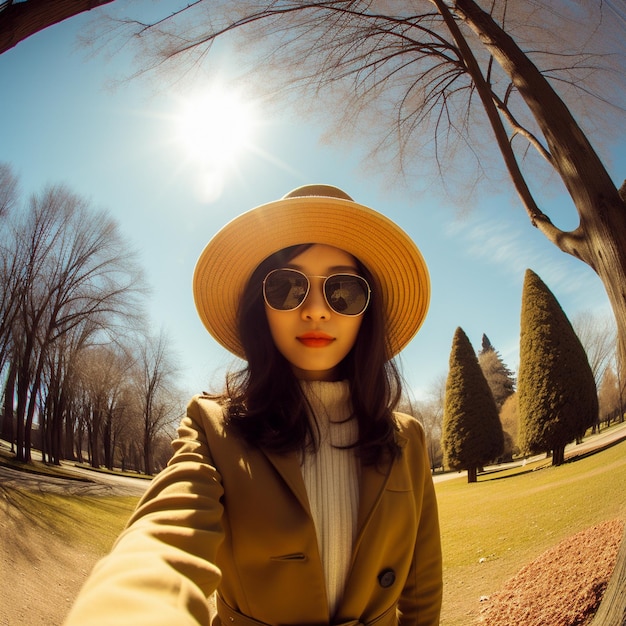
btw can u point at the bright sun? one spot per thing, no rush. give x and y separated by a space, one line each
216 128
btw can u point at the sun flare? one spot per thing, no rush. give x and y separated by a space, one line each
216 128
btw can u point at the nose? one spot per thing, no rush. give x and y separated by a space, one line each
315 306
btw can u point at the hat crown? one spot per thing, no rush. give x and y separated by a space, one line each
326 191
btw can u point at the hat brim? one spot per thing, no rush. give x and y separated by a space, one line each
229 259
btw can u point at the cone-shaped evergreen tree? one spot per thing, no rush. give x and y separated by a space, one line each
499 377
486 345
472 433
555 385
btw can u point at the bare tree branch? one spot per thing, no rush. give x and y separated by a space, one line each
19 20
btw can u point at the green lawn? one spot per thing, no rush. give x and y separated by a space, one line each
91 523
492 528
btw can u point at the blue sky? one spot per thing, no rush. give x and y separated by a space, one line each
61 121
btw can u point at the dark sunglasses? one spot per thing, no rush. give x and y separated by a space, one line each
286 289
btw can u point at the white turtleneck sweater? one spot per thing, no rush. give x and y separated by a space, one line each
331 477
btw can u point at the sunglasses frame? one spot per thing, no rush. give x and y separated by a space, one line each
308 290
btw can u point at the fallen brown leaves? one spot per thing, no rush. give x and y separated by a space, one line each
563 586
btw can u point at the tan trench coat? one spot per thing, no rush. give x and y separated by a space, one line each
229 517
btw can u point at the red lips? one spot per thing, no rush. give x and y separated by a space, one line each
315 339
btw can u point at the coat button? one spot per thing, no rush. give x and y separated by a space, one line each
386 578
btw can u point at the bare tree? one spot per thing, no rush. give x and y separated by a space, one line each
155 375
598 335
431 412
11 260
61 369
77 267
104 374
120 367
20 19
128 429
609 396
9 190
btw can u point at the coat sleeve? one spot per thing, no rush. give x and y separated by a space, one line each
162 569
420 602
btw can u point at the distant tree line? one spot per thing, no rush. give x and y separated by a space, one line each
568 382
81 376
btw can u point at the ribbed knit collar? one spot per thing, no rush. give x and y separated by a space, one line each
331 399
331 409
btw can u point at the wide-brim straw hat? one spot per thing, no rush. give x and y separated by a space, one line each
317 214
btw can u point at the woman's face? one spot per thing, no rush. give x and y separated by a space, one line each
313 337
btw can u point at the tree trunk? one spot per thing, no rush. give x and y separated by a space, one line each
20 20
147 454
44 432
558 456
8 422
94 438
472 475
32 404
107 441
56 429
67 441
606 238
612 610
600 239
28 426
20 417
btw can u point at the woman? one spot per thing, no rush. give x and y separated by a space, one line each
297 496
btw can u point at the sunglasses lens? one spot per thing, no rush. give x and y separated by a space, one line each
347 294
285 289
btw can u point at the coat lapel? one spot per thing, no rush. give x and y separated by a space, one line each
374 480
288 466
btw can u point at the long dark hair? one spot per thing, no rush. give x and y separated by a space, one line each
265 401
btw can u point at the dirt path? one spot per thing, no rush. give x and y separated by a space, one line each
40 573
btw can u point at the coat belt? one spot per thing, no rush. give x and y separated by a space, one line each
230 617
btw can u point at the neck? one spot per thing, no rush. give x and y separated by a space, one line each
331 375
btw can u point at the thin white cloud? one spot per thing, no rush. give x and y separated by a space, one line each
512 249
